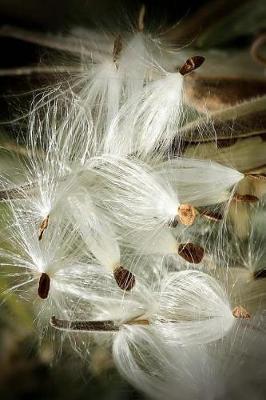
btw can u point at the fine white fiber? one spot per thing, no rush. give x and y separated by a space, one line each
149 120
97 232
134 196
199 182
194 309
35 265
161 370
56 155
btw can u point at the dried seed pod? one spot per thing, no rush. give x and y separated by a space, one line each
187 214
88 326
43 227
124 278
257 177
245 198
241 312
44 286
191 64
191 253
212 215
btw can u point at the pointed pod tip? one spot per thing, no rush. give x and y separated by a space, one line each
190 252
124 278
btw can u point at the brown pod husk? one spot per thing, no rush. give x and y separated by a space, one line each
257 177
245 198
212 215
44 286
124 278
191 253
191 64
241 313
186 214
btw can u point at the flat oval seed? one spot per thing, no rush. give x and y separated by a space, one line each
191 253
191 64
124 278
44 286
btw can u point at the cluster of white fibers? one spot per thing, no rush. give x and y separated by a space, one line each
113 239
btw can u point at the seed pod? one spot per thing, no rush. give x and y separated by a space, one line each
88 326
44 286
191 253
245 198
257 177
124 278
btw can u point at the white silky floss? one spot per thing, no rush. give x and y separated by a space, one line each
199 182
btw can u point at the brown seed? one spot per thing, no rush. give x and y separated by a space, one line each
191 64
44 286
241 312
187 214
245 198
43 227
192 253
259 274
124 278
212 215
